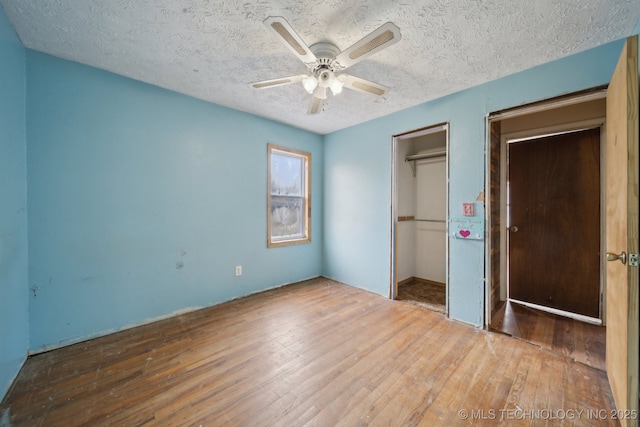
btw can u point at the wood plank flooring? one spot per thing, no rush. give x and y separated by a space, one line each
580 341
314 353
425 293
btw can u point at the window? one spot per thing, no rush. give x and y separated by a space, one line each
289 196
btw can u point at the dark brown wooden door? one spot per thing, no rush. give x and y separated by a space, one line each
554 222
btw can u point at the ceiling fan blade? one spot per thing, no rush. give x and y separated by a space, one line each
316 105
264 84
362 85
381 38
290 38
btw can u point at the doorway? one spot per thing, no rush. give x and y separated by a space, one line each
619 231
419 261
519 131
533 149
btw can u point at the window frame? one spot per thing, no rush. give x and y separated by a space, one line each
306 197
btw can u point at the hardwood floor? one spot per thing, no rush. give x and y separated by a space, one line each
424 293
580 341
314 353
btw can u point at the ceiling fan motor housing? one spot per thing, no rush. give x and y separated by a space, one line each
325 53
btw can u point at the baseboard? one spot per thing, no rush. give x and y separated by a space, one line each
421 280
405 281
76 340
576 316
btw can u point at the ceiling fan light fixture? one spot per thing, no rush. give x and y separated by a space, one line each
336 87
325 62
310 83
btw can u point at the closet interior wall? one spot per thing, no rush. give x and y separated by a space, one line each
421 207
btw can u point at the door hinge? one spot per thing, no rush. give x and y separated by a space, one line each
633 260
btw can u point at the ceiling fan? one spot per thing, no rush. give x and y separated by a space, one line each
326 62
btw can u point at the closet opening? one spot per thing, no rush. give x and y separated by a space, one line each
419 255
519 140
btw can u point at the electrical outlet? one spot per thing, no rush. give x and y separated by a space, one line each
238 270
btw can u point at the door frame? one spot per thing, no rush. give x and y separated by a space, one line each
396 139
495 198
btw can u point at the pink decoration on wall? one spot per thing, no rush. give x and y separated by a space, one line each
467 209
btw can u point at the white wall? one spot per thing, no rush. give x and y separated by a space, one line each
431 200
406 232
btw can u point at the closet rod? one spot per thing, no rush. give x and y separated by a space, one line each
433 155
430 220
426 156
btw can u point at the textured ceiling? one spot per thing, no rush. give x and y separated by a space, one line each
212 49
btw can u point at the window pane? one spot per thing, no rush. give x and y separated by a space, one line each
289 196
287 219
286 175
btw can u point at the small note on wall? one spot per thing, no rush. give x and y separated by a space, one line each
467 227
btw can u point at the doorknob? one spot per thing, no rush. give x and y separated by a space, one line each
513 229
613 257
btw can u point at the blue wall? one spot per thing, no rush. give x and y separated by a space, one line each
357 211
142 202
14 302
